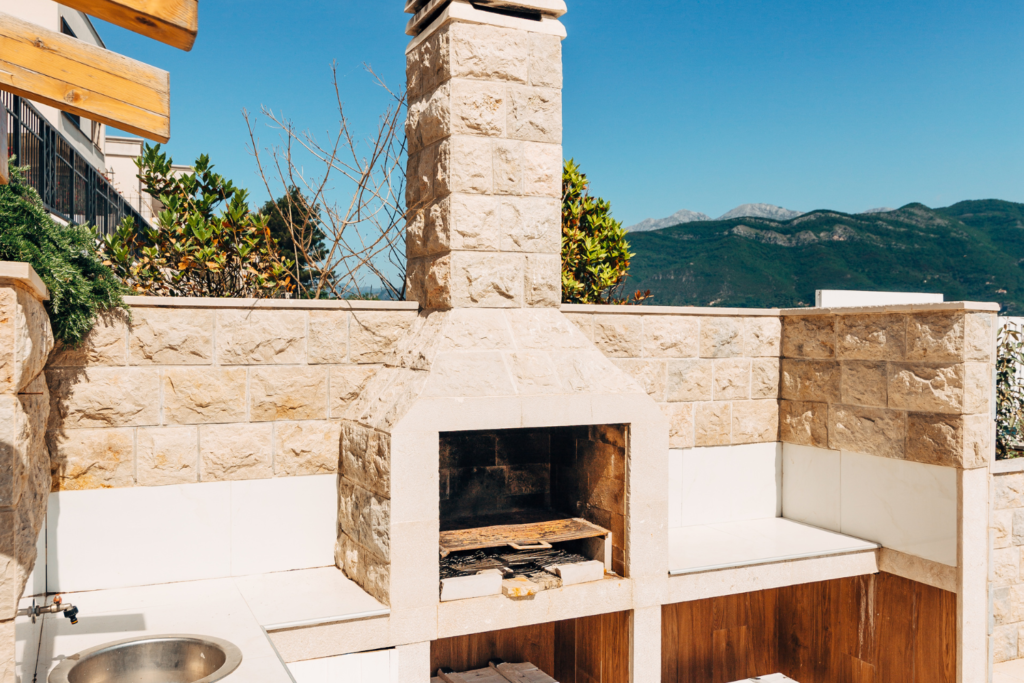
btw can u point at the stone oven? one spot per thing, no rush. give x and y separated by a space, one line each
494 407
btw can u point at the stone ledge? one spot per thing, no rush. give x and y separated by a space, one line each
268 304
1012 466
24 274
950 306
671 310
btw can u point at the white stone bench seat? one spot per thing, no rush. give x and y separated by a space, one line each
712 547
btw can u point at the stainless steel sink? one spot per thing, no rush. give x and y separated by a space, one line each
155 659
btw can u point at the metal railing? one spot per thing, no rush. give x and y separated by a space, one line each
69 186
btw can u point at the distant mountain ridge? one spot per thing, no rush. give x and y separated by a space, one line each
971 251
743 211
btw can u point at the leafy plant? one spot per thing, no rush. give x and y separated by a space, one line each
595 253
81 288
298 227
1009 393
194 251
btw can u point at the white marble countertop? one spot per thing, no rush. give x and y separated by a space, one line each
737 544
239 610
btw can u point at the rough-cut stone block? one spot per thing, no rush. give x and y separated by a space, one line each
15 449
732 379
1004 643
813 336
583 321
977 388
872 337
429 281
690 380
1008 491
31 341
542 169
949 440
328 337
619 336
873 431
171 336
649 374
236 452
475 223
803 423
464 164
1006 566
979 338
489 53
204 396
366 458
429 118
374 334
1004 524
486 280
535 114
545 61
169 455
428 65
713 424
304 448
478 108
106 344
670 336
288 394
104 397
347 382
8 336
365 517
721 337
935 337
508 167
372 574
926 387
680 424
253 337
762 337
92 459
755 422
428 179
865 383
765 378
811 380
531 224
8 660
542 280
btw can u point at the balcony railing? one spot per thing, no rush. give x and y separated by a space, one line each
70 186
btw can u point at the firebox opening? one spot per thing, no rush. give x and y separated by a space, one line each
524 489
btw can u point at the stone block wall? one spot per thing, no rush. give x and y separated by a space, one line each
25 342
715 376
1006 578
909 384
211 391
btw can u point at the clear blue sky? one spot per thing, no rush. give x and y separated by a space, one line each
669 104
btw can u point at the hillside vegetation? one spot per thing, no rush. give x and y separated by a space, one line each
970 251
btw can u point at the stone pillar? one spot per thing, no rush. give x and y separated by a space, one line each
25 343
485 160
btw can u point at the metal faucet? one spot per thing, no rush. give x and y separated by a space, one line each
70 611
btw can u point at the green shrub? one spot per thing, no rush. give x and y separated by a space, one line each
195 251
595 253
64 256
1009 393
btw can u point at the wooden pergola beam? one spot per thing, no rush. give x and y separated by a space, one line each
174 22
79 78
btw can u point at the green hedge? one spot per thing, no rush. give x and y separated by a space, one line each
64 257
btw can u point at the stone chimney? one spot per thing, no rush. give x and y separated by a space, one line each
485 153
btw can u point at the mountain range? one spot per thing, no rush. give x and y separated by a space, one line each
971 251
687 216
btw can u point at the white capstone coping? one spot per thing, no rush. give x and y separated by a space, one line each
950 306
269 304
24 274
461 10
610 309
1012 466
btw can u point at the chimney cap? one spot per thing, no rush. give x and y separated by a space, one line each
553 8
